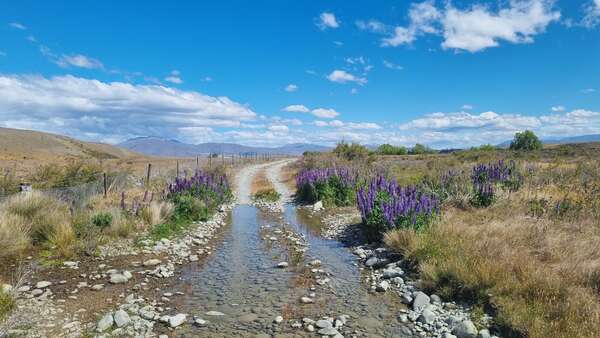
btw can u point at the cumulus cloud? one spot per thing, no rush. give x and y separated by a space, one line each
77 106
291 88
467 107
327 20
479 28
592 14
558 108
472 29
296 108
325 113
347 125
341 76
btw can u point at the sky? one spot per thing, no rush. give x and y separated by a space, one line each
266 73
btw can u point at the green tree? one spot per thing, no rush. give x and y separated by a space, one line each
419 149
388 149
351 151
526 141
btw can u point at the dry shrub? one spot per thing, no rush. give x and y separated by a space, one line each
120 226
14 235
156 213
48 220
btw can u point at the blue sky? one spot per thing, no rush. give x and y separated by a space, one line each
444 73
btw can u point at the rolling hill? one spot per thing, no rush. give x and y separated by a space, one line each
158 146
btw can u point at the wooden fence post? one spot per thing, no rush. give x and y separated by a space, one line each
105 185
148 174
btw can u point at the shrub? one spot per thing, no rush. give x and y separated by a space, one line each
7 303
420 149
14 235
156 213
388 149
351 151
212 188
486 177
190 208
385 205
526 141
270 195
75 173
333 186
102 220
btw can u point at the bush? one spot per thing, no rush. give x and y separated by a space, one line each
269 195
351 152
75 173
385 205
332 186
526 141
420 149
388 149
156 213
102 220
190 208
486 178
7 303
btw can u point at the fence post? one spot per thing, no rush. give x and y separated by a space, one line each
105 185
177 169
148 174
209 160
197 163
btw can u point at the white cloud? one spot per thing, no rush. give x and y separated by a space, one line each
467 107
17 26
588 90
592 14
2 53
207 79
78 60
291 88
327 20
392 65
338 43
422 19
31 38
558 108
473 29
111 110
478 28
296 108
354 91
174 77
372 26
325 113
341 76
279 128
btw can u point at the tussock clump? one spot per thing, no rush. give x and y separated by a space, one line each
14 235
156 213
47 220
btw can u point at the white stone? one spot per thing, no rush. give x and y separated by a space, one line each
105 323
121 318
44 284
177 320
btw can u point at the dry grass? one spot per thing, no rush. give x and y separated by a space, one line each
47 221
156 213
14 235
541 274
260 182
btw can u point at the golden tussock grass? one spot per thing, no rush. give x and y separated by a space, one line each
541 276
260 182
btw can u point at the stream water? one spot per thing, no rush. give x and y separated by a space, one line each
240 280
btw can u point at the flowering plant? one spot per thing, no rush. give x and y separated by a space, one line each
333 186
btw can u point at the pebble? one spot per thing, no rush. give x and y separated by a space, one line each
282 265
44 284
121 318
177 320
105 323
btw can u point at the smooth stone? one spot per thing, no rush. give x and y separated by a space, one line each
322 323
282 265
485 333
420 301
328 331
215 313
307 300
427 317
465 329
200 322
121 318
278 319
118 279
177 320
44 284
152 262
105 323
371 261
383 286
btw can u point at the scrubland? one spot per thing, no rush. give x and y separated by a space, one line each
514 233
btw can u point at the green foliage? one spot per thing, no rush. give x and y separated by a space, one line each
331 192
189 208
351 151
102 220
484 147
526 141
420 149
388 149
269 195
7 303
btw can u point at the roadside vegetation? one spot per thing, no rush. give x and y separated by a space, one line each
262 189
512 231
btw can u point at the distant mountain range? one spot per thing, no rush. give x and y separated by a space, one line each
158 146
563 140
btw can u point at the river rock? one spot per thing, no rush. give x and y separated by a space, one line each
215 313
322 324
427 317
282 265
383 286
328 331
118 278
152 262
420 301
372 261
105 323
200 322
307 300
121 318
318 206
44 284
465 329
177 320
485 333
278 319
392 273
